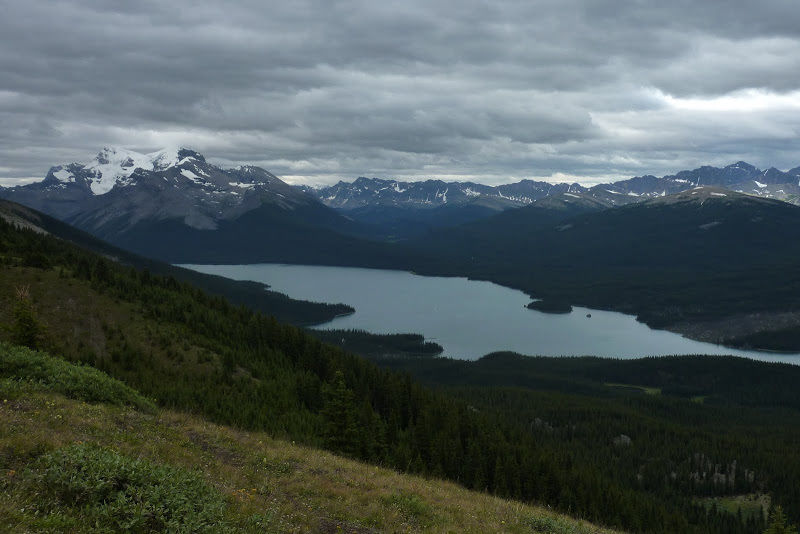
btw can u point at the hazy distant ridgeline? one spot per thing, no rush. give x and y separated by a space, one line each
741 177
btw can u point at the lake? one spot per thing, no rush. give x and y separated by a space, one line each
470 318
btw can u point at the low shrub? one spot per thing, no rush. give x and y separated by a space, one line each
72 380
116 493
556 525
410 506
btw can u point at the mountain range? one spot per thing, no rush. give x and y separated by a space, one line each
405 210
126 197
740 177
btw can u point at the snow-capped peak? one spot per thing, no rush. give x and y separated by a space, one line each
114 165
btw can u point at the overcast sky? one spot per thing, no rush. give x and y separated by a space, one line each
494 91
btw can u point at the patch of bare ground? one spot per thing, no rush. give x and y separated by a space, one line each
724 330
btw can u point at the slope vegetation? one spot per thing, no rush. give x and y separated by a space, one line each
116 464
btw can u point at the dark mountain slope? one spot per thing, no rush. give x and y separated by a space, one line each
259 236
252 294
702 255
486 244
404 222
700 228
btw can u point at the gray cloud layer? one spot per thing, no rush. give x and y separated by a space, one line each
321 90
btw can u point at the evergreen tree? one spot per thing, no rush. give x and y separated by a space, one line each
101 272
339 413
25 329
778 523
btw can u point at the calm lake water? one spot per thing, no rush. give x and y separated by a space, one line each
470 318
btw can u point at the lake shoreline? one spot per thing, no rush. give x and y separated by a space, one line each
471 318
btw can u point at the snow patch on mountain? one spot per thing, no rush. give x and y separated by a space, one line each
63 175
241 185
192 176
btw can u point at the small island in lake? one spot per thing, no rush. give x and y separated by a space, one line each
550 306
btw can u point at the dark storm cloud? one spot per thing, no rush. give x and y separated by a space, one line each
320 90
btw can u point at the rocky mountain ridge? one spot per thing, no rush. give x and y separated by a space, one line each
121 191
740 177
125 187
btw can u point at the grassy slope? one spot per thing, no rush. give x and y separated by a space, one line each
268 485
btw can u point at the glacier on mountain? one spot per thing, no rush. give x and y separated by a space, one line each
115 165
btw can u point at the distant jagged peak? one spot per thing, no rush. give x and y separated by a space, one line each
253 174
774 176
362 181
742 165
187 153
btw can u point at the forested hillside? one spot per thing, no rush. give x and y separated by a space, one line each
198 353
251 294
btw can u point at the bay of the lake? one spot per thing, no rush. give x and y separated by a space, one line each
470 318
